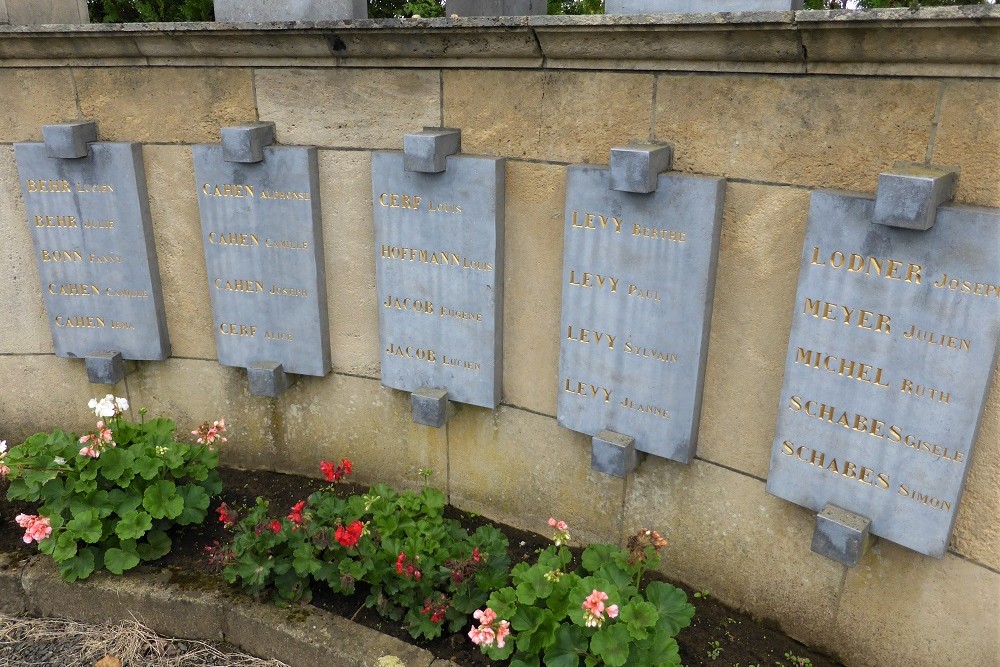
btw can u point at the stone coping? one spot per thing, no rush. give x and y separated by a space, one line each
935 41
201 607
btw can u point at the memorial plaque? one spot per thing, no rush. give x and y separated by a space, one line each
93 238
638 282
894 338
264 252
439 272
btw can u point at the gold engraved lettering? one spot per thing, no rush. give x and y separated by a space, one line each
863 319
393 200
643 293
239 285
94 187
127 293
847 368
46 185
661 234
923 498
442 207
437 258
590 280
913 389
104 259
409 352
61 256
277 290
653 410
587 390
855 263
286 244
444 311
460 363
57 221
941 340
227 190
967 286
876 428
121 325
408 303
596 221
279 195
844 468
278 335
79 322
74 289
649 353
233 239
99 224
587 336
247 330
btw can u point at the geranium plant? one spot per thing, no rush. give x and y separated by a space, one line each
595 614
416 565
109 497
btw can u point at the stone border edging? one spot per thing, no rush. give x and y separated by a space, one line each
203 608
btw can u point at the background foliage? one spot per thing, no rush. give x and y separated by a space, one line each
149 11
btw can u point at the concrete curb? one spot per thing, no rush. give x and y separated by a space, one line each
201 606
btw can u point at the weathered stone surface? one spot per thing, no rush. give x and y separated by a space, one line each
33 101
245 143
522 489
638 283
264 251
94 247
894 338
929 613
349 417
613 454
841 535
745 548
333 107
439 274
32 12
763 228
637 166
428 150
28 333
70 139
740 127
12 600
267 378
430 407
173 204
536 201
968 136
105 367
497 7
346 187
290 10
121 99
540 115
698 6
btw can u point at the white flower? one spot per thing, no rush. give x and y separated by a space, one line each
121 404
59 461
104 407
3 447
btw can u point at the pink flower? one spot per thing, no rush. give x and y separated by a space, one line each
482 636
90 451
486 634
485 616
4 471
561 535
209 434
502 631
594 609
36 528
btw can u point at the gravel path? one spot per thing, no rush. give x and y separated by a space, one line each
54 642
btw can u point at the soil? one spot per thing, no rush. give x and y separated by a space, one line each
719 636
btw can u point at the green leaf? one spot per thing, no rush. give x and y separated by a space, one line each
113 464
156 545
161 500
65 548
611 644
85 526
80 566
672 605
133 525
504 602
148 467
117 561
570 644
639 616
196 503
533 585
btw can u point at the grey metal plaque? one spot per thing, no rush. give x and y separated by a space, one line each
90 222
894 338
638 282
439 272
263 245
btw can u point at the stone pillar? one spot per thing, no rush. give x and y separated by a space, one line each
260 11
698 6
37 12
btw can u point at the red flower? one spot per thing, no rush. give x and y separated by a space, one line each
225 515
475 555
350 535
335 473
406 568
296 515
276 526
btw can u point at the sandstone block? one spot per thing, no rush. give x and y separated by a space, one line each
968 136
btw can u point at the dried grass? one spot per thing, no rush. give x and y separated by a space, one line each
83 645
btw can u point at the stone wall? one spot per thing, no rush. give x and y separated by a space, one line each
779 103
